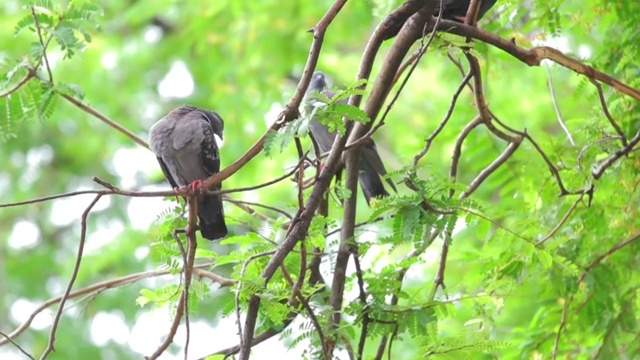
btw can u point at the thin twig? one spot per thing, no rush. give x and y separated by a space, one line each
604 165
300 172
105 119
438 281
74 275
249 203
23 351
457 149
188 266
605 109
44 46
436 132
362 296
633 238
550 165
114 190
181 307
110 284
557 107
563 323
484 174
31 73
562 221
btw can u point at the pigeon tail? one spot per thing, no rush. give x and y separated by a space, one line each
211 216
370 182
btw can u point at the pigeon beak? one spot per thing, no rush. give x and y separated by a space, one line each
219 139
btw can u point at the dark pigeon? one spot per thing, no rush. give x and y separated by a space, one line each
370 165
456 10
186 148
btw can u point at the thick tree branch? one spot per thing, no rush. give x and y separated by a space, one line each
299 228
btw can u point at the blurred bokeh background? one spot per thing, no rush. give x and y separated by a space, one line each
243 59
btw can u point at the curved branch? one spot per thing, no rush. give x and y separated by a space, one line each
299 228
604 165
74 275
534 56
484 174
605 109
109 284
31 72
633 238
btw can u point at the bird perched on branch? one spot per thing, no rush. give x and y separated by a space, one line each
186 148
457 9
370 165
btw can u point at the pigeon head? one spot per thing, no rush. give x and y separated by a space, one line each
216 122
318 82
214 119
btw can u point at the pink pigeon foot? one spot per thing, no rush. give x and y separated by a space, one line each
195 185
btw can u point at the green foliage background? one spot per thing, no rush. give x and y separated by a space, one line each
505 298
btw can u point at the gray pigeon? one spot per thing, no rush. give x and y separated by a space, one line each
370 165
457 9
186 149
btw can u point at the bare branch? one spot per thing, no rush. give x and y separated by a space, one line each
100 116
550 165
633 238
562 221
421 51
74 275
247 206
299 228
23 351
42 42
482 176
444 121
605 109
557 107
182 307
481 102
563 323
362 296
109 284
457 150
31 73
534 56
604 165
114 190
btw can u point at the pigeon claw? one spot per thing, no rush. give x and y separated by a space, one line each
177 191
195 185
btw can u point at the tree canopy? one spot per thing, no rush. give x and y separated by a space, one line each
513 144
